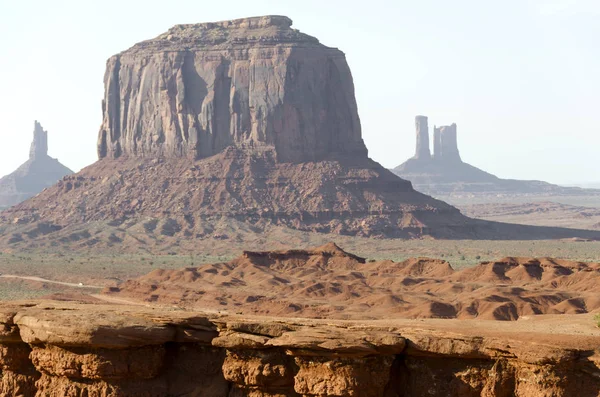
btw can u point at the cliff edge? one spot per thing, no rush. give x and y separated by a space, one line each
66 349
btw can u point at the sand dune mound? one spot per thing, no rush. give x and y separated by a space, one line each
328 282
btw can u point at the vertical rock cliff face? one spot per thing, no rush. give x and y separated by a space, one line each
250 83
422 128
437 143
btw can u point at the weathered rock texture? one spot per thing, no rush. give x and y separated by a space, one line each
68 350
36 174
445 175
250 83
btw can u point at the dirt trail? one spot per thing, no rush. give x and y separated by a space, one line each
111 299
43 280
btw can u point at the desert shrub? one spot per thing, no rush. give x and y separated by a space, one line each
597 320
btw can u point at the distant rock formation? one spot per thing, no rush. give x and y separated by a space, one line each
444 173
36 174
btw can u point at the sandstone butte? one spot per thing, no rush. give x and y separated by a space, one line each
73 350
245 121
36 174
444 173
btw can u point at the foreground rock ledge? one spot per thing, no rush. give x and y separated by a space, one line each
66 349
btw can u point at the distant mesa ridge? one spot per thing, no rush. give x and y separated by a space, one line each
36 174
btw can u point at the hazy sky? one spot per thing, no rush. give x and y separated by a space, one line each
521 78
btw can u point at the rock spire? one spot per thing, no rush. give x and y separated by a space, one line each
39 146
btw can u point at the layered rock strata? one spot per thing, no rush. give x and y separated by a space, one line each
39 172
50 349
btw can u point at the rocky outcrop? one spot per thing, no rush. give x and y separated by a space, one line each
446 176
39 172
51 349
251 83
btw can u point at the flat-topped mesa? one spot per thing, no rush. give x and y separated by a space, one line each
39 146
445 144
250 83
259 22
267 30
422 129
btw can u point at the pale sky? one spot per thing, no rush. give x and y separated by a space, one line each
521 78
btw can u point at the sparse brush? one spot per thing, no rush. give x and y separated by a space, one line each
597 320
